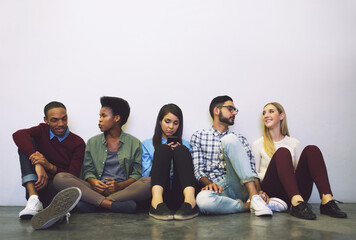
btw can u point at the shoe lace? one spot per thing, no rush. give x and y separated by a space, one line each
334 205
306 204
67 217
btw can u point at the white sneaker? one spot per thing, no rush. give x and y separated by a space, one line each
259 207
277 205
33 206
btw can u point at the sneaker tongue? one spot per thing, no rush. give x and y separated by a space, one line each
35 197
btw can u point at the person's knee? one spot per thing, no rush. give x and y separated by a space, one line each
182 154
206 201
145 180
164 148
60 178
182 149
163 152
230 141
312 148
282 153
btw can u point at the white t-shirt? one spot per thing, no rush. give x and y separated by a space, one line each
262 159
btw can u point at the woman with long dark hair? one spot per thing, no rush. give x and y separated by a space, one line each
169 163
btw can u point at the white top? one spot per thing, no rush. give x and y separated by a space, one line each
262 159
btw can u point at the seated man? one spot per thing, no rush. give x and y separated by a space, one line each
44 151
224 165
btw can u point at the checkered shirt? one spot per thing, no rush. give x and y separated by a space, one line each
207 154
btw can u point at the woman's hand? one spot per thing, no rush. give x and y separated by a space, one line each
97 185
264 196
174 145
113 186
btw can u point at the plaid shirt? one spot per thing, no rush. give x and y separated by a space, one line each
207 154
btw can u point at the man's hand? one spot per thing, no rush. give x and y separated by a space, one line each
38 158
98 185
213 187
42 177
264 196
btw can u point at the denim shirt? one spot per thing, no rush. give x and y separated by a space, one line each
129 156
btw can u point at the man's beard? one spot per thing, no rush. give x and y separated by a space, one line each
229 121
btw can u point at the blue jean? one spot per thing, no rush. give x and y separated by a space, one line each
28 173
238 173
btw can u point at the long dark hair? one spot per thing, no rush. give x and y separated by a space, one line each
168 108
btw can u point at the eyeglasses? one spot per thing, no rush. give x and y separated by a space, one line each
231 109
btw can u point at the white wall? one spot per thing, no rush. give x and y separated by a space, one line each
300 53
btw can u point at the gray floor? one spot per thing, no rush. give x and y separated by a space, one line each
141 226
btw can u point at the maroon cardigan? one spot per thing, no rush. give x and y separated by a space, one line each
67 155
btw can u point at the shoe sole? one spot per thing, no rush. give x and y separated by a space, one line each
185 217
334 216
261 213
61 204
27 216
163 218
295 215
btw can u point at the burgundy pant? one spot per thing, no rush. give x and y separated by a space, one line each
281 181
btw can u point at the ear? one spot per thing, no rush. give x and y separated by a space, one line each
117 118
281 116
45 120
216 110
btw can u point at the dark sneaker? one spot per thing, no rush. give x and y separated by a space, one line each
162 212
186 212
302 210
332 209
61 204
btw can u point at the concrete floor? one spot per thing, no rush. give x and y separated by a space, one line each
141 226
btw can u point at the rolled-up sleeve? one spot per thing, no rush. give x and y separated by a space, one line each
199 162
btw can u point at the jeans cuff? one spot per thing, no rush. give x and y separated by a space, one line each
247 180
242 208
29 178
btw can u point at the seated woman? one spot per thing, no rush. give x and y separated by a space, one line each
283 176
112 166
169 183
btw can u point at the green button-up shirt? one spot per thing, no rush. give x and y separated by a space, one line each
129 156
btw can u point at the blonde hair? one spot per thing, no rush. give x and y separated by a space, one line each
268 144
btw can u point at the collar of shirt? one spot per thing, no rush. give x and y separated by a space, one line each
121 139
219 134
60 139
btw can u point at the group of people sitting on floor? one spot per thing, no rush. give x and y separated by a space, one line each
217 172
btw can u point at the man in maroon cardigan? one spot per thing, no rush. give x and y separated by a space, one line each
45 150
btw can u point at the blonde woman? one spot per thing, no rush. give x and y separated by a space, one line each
287 174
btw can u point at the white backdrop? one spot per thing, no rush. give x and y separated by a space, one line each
299 53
